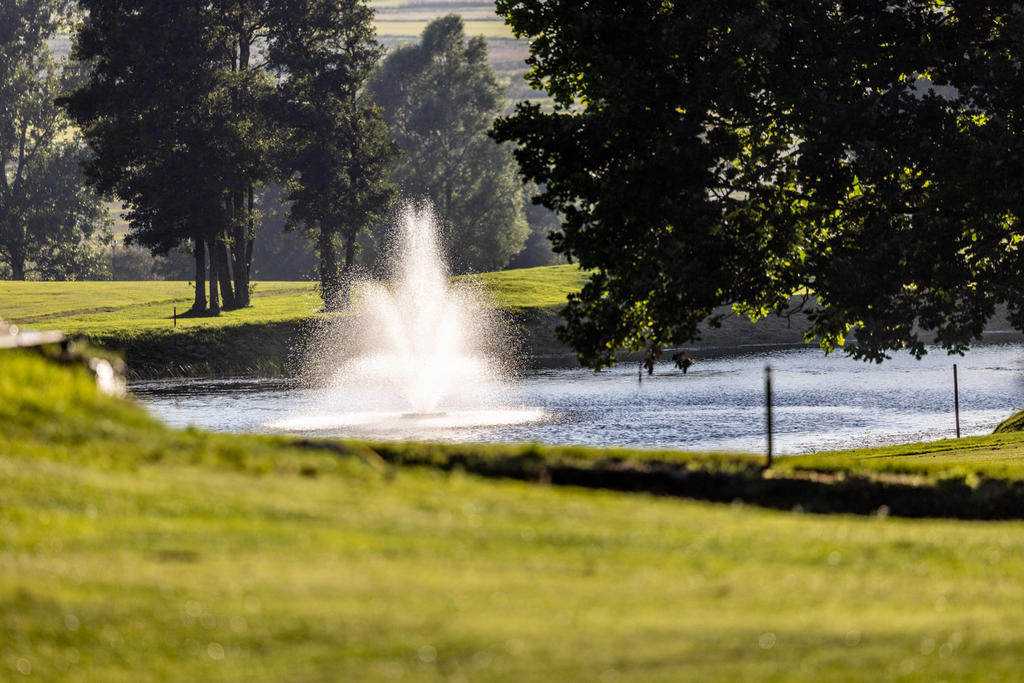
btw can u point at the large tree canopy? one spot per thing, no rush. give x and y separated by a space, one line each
163 113
51 227
192 106
335 151
740 153
439 97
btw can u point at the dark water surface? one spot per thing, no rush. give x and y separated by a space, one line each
820 403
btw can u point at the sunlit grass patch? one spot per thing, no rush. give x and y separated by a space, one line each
997 456
93 307
106 307
534 287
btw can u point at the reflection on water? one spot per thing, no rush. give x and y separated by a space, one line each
820 403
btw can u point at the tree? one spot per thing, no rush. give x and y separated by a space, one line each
439 98
537 250
149 117
243 28
957 253
336 149
50 225
896 246
280 254
174 113
739 153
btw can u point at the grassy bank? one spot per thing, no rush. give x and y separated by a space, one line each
131 552
268 337
138 318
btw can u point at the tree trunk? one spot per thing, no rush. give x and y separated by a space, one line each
345 285
199 305
239 238
250 238
17 267
214 295
220 253
329 281
240 223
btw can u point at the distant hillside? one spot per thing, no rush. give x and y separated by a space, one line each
402 21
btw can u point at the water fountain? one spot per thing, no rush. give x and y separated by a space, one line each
421 365
425 356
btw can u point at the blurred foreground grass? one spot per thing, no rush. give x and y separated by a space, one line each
131 552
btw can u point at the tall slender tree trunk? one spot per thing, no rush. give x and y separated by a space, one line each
329 281
240 218
250 237
239 240
345 285
199 246
220 254
214 294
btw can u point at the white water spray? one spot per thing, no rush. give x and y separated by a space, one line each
420 361
422 329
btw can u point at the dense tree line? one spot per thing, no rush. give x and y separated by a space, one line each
189 113
439 97
192 107
739 153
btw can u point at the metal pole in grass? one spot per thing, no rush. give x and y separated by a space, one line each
768 408
956 401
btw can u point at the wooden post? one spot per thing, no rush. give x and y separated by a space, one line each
768 409
175 316
956 401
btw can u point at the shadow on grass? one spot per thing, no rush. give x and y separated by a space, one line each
723 481
192 313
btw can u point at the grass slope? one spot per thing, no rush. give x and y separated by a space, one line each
409 30
131 552
1014 423
526 288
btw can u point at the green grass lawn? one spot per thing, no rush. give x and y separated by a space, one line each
102 307
106 308
543 287
997 456
132 552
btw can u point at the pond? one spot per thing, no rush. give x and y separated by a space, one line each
820 402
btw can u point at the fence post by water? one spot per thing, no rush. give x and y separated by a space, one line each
956 401
768 408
